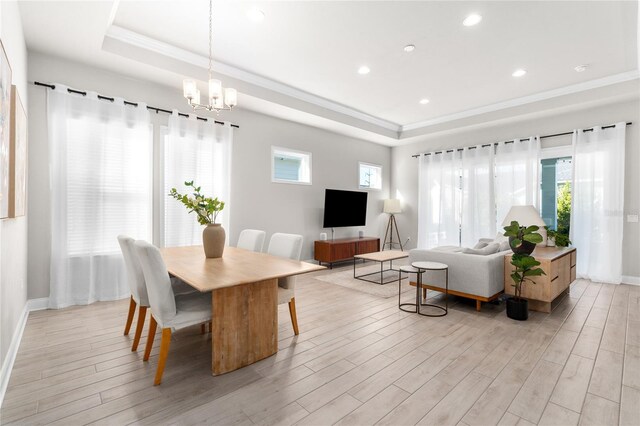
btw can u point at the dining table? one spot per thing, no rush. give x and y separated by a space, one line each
244 299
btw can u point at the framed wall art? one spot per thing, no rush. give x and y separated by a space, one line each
5 123
17 157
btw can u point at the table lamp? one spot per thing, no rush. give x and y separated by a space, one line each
392 207
524 215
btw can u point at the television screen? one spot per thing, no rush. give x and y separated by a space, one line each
344 208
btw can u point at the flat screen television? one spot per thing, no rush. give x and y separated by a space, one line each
344 208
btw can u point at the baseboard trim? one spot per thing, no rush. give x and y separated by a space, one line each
7 365
630 279
38 304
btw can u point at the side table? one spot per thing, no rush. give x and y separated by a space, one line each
431 266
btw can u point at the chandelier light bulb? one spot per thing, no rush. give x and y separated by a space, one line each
215 89
196 97
189 88
231 97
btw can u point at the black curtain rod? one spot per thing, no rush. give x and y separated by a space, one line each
496 143
157 110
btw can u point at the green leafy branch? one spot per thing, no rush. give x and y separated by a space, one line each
522 233
206 208
525 268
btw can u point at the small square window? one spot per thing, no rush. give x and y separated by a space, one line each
370 176
289 166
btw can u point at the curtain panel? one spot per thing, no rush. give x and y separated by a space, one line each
101 186
477 205
517 180
597 217
199 151
438 200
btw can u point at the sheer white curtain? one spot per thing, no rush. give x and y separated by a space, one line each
438 206
199 151
598 202
101 186
517 176
478 208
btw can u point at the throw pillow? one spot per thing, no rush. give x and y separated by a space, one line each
480 245
489 249
504 245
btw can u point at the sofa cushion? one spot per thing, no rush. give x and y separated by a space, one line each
480 244
488 249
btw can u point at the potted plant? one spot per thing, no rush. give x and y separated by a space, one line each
206 210
555 238
522 239
525 268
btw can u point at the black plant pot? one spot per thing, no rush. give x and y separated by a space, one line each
518 309
525 248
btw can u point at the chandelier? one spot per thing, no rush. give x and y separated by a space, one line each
219 99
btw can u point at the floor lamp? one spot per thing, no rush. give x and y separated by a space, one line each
391 207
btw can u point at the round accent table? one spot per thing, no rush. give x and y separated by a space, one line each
407 269
431 266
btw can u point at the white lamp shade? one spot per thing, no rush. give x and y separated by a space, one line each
392 206
524 215
231 97
215 89
189 88
218 103
196 97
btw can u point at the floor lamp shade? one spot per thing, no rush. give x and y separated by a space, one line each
392 206
524 215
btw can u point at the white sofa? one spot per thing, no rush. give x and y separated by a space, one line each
478 277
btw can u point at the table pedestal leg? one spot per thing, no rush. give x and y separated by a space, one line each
245 325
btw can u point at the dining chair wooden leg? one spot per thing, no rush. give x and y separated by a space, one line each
164 352
132 311
142 313
424 293
203 328
294 317
210 326
152 334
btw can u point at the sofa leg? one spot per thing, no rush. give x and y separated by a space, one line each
478 305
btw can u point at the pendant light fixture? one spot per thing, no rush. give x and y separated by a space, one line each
219 98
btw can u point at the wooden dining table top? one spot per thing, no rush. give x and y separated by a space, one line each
235 267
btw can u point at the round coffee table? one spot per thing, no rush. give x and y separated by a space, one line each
407 269
431 266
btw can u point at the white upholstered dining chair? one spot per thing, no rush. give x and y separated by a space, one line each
289 246
251 239
168 311
138 288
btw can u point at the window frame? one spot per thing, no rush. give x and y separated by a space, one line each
283 150
369 188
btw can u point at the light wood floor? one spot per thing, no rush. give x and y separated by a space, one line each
358 360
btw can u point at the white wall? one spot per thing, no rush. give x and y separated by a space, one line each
256 202
405 168
13 232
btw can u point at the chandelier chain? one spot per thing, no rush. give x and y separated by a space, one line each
210 37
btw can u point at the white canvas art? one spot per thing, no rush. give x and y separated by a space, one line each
5 123
17 157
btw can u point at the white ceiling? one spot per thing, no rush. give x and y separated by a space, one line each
306 53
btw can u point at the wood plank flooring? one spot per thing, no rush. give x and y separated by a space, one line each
357 361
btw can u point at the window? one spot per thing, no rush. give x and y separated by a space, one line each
289 166
370 176
555 193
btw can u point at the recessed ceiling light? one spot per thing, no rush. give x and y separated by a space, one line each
519 73
424 101
472 20
364 70
581 68
255 14
409 48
